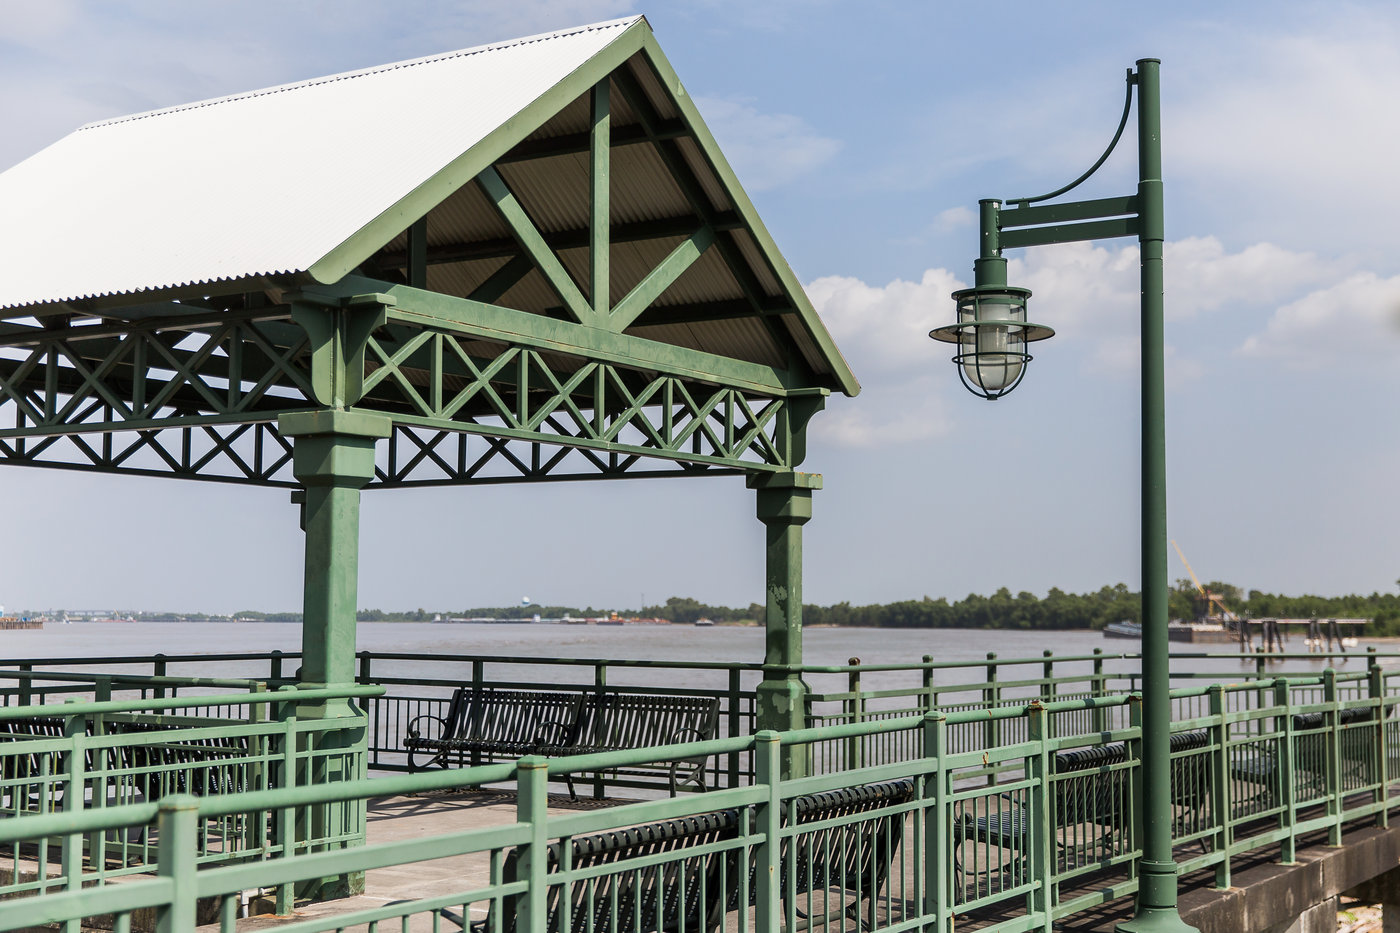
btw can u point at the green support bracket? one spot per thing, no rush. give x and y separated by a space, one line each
339 330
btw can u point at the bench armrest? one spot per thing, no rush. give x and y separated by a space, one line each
413 732
560 732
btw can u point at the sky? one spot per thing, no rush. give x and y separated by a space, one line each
865 134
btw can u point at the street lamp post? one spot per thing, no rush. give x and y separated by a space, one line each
991 337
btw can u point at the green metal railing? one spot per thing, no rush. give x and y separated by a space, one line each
77 758
1020 833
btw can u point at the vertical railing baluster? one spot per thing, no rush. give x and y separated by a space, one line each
929 700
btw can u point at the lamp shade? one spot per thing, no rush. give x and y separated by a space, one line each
991 337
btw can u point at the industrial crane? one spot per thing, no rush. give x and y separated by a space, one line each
1211 598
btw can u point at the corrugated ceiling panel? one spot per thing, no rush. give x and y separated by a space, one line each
246 185
555 192
642 188
741 338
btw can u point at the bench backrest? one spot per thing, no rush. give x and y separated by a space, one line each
180 765
1089 790
497 715
631 720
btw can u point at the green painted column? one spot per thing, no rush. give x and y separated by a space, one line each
333 458
784 506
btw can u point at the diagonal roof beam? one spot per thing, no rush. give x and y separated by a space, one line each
640 298
528 235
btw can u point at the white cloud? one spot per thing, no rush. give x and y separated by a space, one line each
766 149
1356 320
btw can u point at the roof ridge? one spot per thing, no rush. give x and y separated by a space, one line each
377 69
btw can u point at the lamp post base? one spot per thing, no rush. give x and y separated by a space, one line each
1156 920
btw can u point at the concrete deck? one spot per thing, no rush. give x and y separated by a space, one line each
394 819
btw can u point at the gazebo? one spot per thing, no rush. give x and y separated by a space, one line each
522 262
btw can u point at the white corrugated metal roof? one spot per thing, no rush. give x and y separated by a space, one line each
260 183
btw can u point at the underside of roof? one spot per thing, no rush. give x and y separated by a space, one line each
232 204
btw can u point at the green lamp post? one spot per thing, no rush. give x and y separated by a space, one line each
991 336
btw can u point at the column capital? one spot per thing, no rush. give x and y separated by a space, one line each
334 447
785 498
788 480
334 421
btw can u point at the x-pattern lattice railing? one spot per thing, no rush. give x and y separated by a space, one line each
430 380
151 375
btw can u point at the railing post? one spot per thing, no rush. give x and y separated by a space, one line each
1380 760
1288 846
1099 688
855 712
600 686
366 663
1041 818
478 683
1333 747
991 699
735 720
768 819
286 819
26 685
532 809
71 844
1220 784
175 859
274 666
1135 782
159 669
930 701
937 880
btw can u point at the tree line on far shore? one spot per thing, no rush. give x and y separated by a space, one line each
1055 610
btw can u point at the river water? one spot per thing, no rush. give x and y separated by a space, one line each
823 646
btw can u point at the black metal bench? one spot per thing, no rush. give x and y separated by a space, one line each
1089 800
154 768
491 724
203 767
693 894
1257 763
